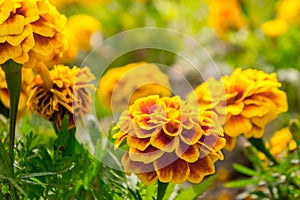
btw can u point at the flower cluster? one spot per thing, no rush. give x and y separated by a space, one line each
30 31
169 139
63 90
120 87
252 100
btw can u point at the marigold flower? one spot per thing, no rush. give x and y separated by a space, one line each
30 30
252 100
274 28
282 142
61 91
169 140
4 94
79 32
289 10
121 86
225 15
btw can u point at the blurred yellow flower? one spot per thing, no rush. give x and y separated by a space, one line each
274 28
252 100
169 139
28 76
30 30
289 10
63 90
282 142
225 15
79 31
121 86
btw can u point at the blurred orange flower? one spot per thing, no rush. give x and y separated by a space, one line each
169 140
225 15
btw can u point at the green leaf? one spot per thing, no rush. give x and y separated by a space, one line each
195 191
241 183
295 130
5 164
244 170
161 190
260 146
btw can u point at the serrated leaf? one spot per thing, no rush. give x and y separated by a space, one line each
196 190
241 183
244 170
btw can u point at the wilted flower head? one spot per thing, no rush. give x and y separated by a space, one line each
28 76
252 100
121 86
63 90
30 30
169 140
225 15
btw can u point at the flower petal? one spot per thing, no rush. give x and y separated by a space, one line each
135 167
189 153
236 125
164 142
176 172
149 155
138 143
200 168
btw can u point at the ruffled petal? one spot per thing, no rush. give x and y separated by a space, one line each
236 125
189 153
149 155
200 168
177 172
164 142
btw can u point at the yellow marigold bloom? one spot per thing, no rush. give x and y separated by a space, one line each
121 86
274 28
282 142
63 90
30 30
225 15
169 140
253 99
289 10
79 31
28 76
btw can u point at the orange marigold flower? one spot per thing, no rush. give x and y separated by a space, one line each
169 140
252 100
121 86
63 90
30 30
225 15
28 76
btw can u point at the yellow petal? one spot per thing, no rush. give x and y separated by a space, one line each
149 155
236 125
235 109
135 167
164 142
172 128
148 177
139 143
5 9
191 136
14 25
9 52
230 142
189 153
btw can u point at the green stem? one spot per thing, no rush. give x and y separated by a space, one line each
13 75
161 190
260 146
